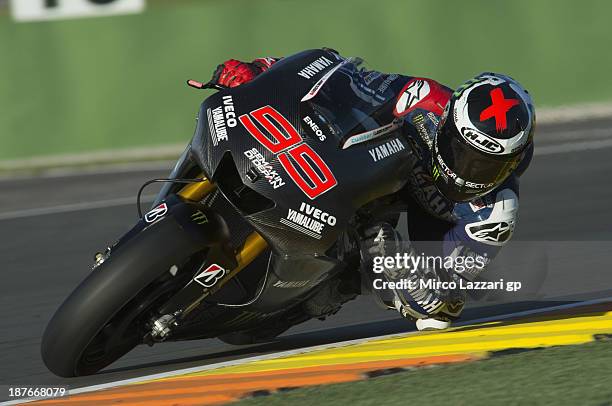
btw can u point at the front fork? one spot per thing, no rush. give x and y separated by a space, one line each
254 243
190 296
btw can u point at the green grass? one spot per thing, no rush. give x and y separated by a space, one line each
573 375
69 86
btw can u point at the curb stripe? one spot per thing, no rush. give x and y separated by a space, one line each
236 386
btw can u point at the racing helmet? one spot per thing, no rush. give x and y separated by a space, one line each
485 131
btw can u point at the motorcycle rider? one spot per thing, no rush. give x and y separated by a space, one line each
470 146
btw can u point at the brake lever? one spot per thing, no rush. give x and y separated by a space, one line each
208 85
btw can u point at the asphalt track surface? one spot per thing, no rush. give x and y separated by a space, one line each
50 226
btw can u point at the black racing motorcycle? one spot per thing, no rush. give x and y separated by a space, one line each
257 228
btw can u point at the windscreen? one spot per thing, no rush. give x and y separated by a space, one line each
344 104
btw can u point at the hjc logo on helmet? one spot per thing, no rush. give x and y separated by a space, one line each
482 142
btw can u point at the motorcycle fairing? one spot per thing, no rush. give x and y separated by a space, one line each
289 220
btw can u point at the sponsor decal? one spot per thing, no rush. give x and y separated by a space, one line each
291 284
445 169
199 217
220 118
415 91
314 176
264 168
387 149
498 109
433 118
387 82
315 128
448 173
419 124
230 112
156 213
498 228
210 276
481 141
491 232
308 220
435 172
315 67
371 134
473 185
371 76
466 85
425 191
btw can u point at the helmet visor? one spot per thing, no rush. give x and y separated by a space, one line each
464 171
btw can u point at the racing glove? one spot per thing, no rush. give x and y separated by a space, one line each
232 72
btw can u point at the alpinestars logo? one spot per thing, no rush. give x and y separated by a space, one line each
315 67
492 232
414 93
210 276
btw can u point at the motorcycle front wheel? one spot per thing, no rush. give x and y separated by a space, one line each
106 315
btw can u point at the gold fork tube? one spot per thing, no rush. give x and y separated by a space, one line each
252 247
197 191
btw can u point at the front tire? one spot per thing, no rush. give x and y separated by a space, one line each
103 318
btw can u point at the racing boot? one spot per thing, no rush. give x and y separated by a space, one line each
419 295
